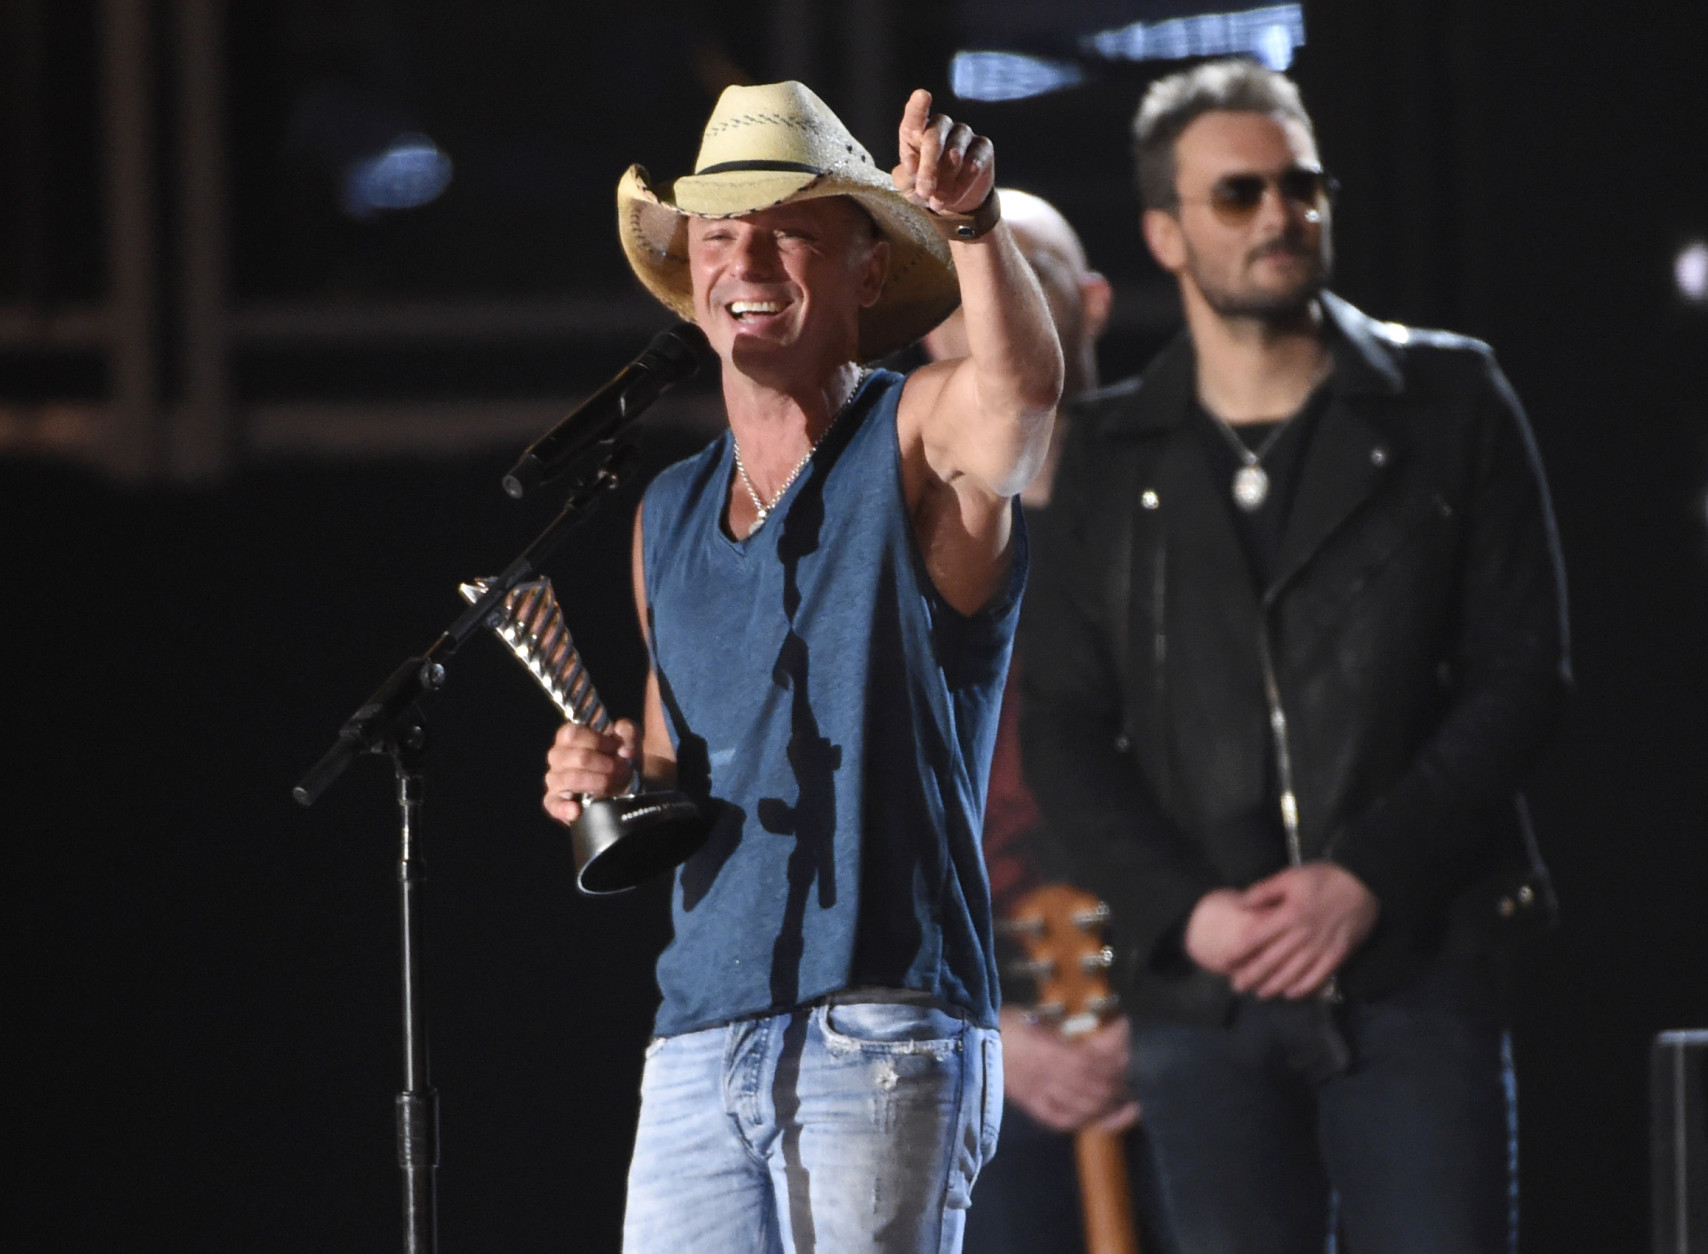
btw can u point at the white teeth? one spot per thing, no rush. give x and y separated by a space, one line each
740 307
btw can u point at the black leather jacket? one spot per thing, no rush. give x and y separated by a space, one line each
1394 681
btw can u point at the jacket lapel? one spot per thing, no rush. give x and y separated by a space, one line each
1347 459
1195 512
1349 456
1202 538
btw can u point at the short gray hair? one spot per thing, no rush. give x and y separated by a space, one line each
1235 85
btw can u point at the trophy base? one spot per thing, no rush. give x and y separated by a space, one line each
620 842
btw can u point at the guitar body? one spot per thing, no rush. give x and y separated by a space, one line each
1061 929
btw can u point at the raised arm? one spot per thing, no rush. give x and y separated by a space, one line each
974 430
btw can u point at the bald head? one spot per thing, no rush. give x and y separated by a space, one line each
1078 296
1041 230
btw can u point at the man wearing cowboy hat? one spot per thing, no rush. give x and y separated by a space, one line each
829 593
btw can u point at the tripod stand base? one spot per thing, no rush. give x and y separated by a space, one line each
620 842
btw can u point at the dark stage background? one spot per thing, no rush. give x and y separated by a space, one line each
204 993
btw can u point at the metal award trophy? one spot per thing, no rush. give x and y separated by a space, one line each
618 841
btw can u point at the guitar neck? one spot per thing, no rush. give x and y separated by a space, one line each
1106 1199
1061 929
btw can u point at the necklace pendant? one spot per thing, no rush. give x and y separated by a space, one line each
1251 488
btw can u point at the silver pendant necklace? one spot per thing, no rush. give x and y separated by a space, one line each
1251 480
762 508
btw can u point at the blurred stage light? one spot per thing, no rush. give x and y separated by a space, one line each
1270 34
1690 272
1009 75
410 173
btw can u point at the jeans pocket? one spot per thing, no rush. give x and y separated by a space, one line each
891 1028
991 1128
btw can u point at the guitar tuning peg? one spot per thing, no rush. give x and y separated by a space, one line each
1102 960
1097 916
1102 1007
1031 926
1046 1012
1031 968
1078 1025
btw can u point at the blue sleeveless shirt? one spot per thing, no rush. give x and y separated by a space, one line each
837 716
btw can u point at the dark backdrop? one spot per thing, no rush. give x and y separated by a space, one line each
205 993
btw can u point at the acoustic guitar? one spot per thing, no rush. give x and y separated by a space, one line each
1061 930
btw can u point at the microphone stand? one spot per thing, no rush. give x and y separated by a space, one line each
390 723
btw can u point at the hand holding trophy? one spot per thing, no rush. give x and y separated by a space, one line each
618 841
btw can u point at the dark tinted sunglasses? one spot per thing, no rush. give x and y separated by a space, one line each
1236 198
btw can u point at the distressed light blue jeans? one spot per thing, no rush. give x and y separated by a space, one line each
832 1128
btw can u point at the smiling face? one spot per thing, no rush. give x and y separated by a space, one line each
779 292
1269 265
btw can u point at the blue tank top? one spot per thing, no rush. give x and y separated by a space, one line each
837 716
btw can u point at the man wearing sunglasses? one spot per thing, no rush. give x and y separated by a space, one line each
1296 632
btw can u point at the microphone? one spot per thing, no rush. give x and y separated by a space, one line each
674 354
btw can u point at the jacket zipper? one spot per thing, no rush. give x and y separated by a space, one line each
1284 774
1283 755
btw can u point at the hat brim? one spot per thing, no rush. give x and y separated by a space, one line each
919 291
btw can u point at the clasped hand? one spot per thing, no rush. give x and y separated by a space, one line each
1067 1084
1285 935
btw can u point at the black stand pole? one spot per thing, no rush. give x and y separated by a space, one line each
418 1103
390 723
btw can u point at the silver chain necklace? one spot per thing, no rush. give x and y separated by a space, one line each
761 508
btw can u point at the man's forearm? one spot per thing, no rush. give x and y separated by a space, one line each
1015 357
985 418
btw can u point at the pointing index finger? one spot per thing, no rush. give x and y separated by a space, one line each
915 117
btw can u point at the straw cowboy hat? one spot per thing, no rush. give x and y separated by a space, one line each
771 144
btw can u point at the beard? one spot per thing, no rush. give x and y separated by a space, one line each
1273 306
